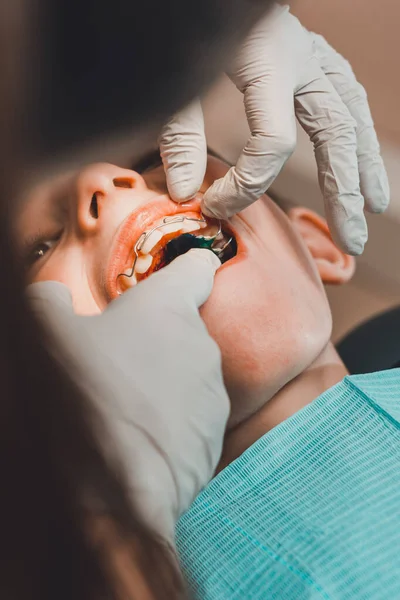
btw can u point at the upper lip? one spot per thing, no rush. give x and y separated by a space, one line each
132 227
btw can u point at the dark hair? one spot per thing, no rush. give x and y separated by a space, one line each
52 453
52 459
51 439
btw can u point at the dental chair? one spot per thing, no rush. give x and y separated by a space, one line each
374 345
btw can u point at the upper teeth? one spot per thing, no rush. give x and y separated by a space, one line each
157 235
144 259
151 241
143 263
129 280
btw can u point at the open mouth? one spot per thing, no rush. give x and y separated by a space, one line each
170 237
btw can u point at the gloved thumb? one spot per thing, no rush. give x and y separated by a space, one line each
52 303
46 295
187 280
183 151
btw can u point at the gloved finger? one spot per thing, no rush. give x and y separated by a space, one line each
332 130
270 114
373 177
52 303
186 282
183 151
49 294
189 278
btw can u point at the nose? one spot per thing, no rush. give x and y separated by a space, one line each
97 187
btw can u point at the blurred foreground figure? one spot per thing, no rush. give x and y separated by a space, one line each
73 76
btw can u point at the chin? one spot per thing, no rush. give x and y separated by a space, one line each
255 374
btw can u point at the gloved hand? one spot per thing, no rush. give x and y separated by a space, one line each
151 367
285 71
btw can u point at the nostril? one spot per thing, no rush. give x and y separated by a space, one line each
94 207
123 182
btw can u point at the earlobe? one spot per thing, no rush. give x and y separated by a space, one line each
334 266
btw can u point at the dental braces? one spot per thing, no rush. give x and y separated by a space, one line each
167 221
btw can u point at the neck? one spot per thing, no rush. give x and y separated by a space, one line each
324 373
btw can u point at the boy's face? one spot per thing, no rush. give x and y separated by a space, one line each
268 310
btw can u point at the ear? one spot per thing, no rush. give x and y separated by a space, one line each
334 266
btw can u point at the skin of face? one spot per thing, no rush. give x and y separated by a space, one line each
268 310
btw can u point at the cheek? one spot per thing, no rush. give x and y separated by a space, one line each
84 302
269 328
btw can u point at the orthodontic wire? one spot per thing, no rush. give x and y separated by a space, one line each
167 221
220 250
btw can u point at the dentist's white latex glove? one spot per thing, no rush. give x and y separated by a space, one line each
151 367
284 71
